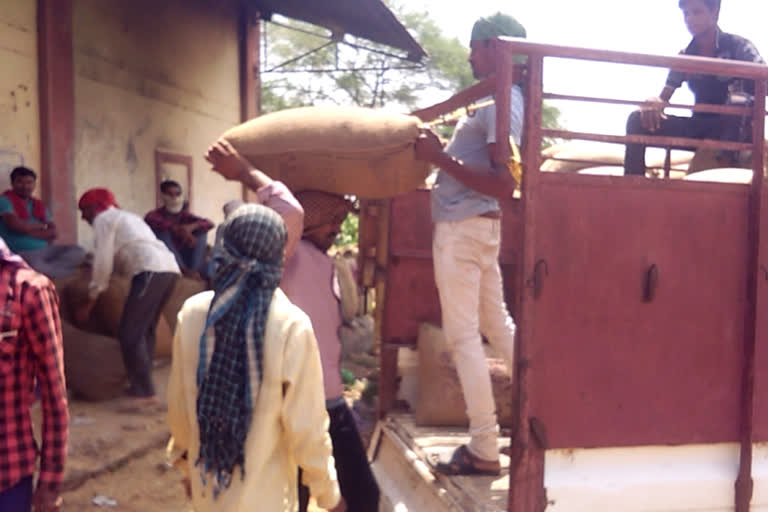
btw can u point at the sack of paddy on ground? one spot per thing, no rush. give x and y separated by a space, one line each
340 150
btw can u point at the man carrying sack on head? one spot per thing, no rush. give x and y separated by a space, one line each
309 281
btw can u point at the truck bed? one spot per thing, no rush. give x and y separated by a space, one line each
400 451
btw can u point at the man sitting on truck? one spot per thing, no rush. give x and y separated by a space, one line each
708 41
465 247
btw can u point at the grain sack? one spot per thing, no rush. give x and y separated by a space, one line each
440 398
163 339
111 302
348 292
340 150
182 290
75 294
575 157
93 364
724 175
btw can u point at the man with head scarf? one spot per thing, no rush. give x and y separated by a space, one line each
123 241
32 358
465 247
245 406
184 233
701 18
310 282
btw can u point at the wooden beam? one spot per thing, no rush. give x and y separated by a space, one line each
57 113
250 94
526 474
744 482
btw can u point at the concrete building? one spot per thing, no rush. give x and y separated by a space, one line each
126 94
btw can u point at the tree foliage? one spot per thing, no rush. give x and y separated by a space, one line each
315 68
333 72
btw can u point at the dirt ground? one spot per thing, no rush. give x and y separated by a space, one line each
118 459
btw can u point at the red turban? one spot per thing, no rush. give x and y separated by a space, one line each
101 198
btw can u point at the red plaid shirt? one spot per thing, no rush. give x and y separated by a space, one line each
163 220
30 353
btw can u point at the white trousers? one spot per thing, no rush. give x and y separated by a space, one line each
466 260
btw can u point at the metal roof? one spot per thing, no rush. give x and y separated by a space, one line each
369 19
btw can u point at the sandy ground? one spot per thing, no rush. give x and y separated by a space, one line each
120 457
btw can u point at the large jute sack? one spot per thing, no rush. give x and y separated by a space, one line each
571 158
348 291
340 150
110 304
723 175
73 295
182 290
440 397
93 364
110 310
163 338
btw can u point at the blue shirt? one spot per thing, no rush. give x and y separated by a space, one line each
18 242
713 89
453 201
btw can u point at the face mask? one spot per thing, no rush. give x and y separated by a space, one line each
173 204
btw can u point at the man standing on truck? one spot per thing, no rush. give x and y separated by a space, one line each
465 210
708 41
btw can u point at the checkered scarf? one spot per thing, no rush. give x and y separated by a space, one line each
247 268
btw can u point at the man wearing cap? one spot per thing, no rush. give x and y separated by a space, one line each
123 240
465 247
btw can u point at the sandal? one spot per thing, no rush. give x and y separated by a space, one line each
462 462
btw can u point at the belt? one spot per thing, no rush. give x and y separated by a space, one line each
493 214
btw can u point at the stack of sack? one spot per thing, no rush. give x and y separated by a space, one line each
93 363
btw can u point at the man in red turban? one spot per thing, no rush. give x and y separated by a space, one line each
122 240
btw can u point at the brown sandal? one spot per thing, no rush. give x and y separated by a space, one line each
462 462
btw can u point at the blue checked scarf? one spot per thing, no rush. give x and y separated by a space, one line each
247 268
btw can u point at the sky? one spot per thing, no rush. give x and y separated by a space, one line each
642 26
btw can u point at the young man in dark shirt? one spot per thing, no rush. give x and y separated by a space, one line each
701 18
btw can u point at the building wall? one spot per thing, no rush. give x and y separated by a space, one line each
19 112
152 75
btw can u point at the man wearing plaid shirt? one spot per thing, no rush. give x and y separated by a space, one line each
30 356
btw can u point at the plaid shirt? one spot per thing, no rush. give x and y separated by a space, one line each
161 219
30 353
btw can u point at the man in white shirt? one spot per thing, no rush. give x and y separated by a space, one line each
124 241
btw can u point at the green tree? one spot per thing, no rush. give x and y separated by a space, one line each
331 71
304 65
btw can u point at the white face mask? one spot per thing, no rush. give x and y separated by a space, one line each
173 204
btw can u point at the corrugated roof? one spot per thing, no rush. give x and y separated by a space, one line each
369 19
